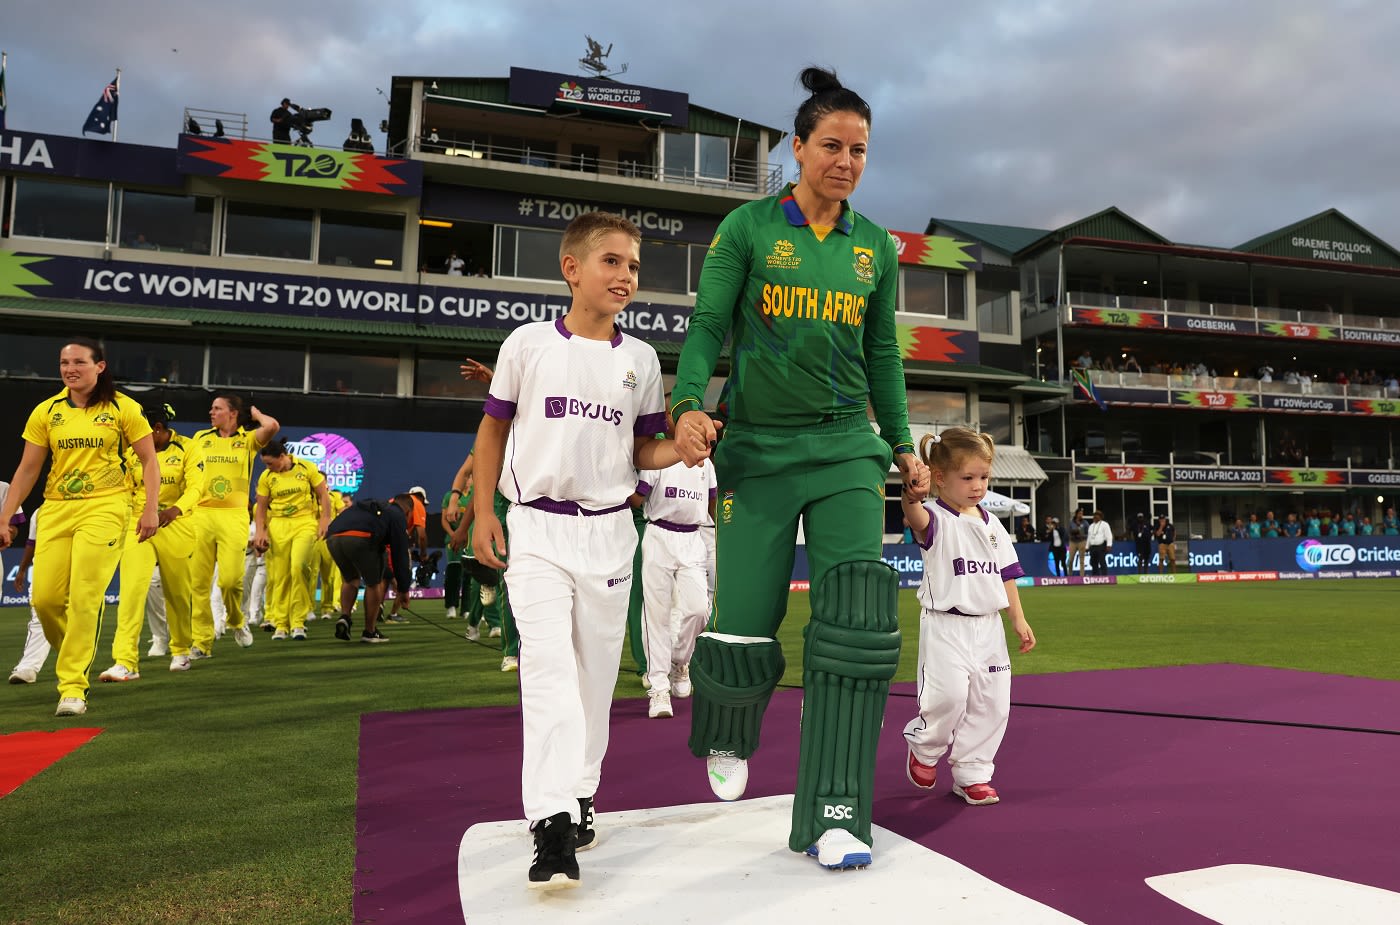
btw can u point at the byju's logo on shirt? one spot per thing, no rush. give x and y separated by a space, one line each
561 406
684 494
963 566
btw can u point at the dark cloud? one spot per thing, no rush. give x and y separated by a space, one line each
1210 122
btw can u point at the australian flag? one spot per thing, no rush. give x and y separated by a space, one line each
100 120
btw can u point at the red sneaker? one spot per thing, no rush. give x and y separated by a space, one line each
921 775
978 794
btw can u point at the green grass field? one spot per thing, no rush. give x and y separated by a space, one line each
227 794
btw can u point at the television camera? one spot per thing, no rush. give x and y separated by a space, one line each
301 122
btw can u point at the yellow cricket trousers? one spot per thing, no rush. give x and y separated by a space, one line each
75 555
291 545
329 573
172 549
220 535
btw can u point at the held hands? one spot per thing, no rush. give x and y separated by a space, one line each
260 542
696 433
169 514
917 479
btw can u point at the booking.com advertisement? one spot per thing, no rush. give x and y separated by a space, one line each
366 463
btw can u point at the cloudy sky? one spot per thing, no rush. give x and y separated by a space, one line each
1210 121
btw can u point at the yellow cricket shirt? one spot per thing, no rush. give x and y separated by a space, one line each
227 464
87 444
291 493
181 481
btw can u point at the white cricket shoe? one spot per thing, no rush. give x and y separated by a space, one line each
158 648
179 663
277 635
243 636
510 663
495 632
71 706
680 680
452 613
298 633
196 653
24 676
473 632
119 673
838 849
728 773
660 706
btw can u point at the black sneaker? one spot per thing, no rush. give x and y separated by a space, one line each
587 835
268 627
555 867
375 636
342 628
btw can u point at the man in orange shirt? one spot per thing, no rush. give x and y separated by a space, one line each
417 536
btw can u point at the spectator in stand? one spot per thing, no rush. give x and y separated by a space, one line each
1271 526
1237 530
1085 361
1266 374
1392 386
1055 538
1130 365
1329 523
1366 528
1312 524
1025 533
1254 529
1347 526
1291 527
1108 365
1389 526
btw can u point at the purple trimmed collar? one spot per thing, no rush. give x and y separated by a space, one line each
615 340
949 508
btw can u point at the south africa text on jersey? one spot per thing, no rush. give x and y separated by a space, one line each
809 302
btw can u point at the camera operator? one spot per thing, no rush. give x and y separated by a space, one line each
281 119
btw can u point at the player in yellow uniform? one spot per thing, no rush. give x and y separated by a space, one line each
291 514
323 567
171 549
87 428
226 452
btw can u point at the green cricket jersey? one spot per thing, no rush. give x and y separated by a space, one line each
812 322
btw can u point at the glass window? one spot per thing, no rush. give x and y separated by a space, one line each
957 298
256 230
678 155
334 371
993 309
51 209
665 266
528 253
361 239
148 361
933 407
925 291
257 367
714 157
440 377
166 222
30 356
995 418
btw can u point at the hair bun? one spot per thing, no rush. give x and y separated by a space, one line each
819 80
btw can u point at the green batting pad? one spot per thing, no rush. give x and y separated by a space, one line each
850 655
733 683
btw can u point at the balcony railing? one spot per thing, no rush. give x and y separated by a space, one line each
743 176
1237 384
1262 313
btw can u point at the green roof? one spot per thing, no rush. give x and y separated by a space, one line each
1006 238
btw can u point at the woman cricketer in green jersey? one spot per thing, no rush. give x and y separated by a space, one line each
806 288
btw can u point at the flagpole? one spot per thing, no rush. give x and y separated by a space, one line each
111 189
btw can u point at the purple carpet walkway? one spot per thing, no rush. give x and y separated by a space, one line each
1092 802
